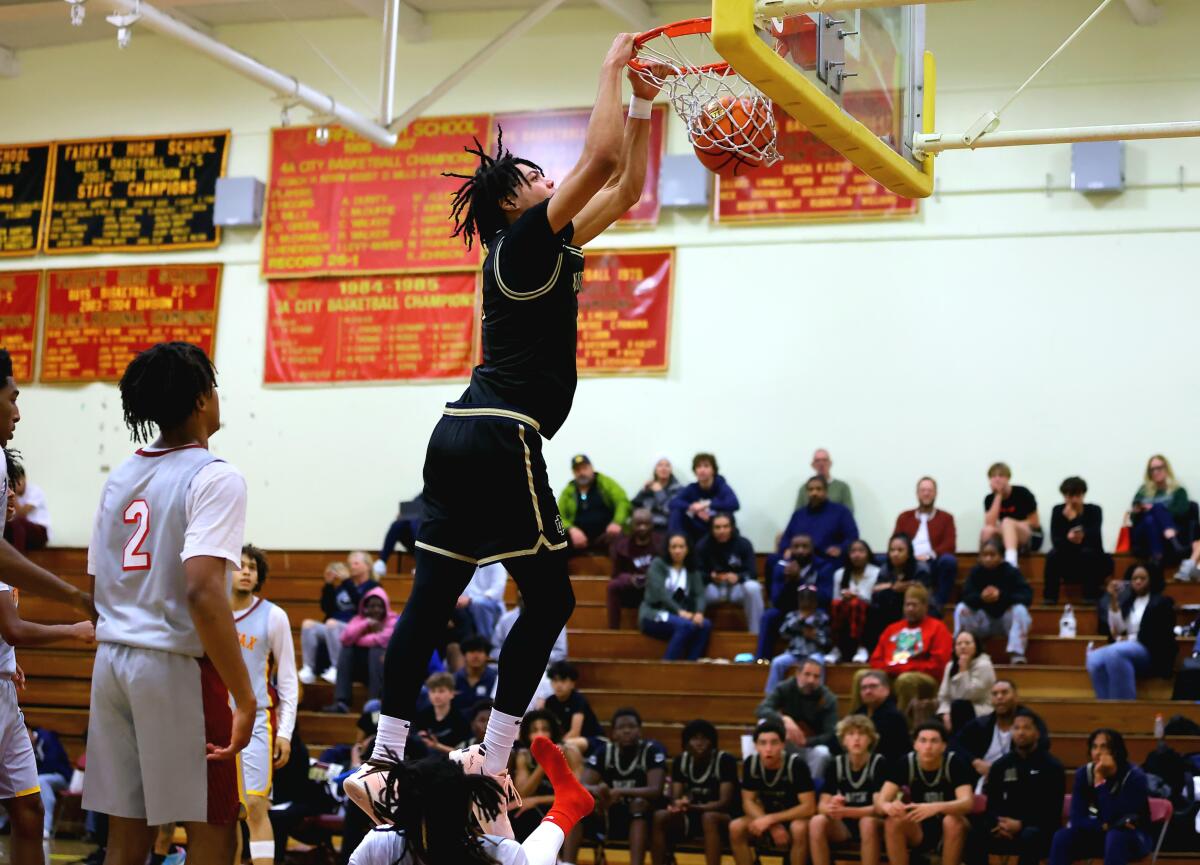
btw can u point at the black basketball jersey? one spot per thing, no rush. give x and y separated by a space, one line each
631 769
777 789
936 786
858 788
531 277
702 782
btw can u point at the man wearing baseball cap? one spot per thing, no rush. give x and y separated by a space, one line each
593 506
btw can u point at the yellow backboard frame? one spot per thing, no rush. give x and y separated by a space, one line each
735 39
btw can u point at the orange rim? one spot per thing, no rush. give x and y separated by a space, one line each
686 27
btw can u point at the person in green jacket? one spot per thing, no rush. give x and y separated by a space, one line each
1160 507
593 507
673 606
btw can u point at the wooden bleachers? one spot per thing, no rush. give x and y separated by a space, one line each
622 668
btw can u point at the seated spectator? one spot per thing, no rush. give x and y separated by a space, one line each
966 684
854 587
697 503
673 606
778 798
534 788
830 525
657 494
899 572
483 599
995 601
838 491
799 568
438 726
1078 553
477 679
53 771
1189 568
1024 791
1140 622
728 563
704 787
934 537
846 810
364 642
626 777
631 558
1110 808
581 729
807 633
558 651
1160 508
29 527
477 720
340 596
939 799
875 700
1010 514
986 739
403 531
593 507
913 650
808 711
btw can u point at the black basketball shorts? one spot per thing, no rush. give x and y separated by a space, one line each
487 495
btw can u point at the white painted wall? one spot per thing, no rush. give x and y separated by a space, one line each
1054 331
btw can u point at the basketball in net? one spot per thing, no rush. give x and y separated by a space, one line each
731 133
731 124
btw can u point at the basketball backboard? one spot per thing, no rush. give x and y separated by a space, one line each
859 79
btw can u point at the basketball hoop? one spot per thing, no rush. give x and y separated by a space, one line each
728 119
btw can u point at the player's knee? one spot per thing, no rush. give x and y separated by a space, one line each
818 825
953 825
737 829
798 829
712 819
660 819
869 827
639 808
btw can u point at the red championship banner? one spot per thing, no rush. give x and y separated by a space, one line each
554 140
347 206
18 319
371 328
97 319
625 311
813 182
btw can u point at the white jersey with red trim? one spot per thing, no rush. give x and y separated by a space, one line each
158 509
8 655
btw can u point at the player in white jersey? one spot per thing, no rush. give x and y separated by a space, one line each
168 532
265 635
431 805
18 769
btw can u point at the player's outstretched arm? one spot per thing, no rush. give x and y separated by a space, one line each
18 632
208 603
601 144
624 187
18 571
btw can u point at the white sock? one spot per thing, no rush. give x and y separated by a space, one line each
502 731
391 736
543 844
1010 556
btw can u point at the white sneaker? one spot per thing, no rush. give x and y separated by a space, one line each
1187 571
365 787
306 675
330 675
834 656
472 760
861 656
379 569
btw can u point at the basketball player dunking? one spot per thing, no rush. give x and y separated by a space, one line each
168 532
487 496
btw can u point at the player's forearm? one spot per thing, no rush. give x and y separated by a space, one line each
18 571
209 607
605 130
24 634
635 152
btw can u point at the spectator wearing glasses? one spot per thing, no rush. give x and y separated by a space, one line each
1160 507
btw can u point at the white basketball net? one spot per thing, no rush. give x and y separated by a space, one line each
747 135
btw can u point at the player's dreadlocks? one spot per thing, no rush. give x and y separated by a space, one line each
430 801
475 207
162 386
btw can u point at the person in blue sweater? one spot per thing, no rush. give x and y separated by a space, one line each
53 768
1110 807
788 577
830 525
697 503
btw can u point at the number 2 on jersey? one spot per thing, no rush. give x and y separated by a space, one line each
134 558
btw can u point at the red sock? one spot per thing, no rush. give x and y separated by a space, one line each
572 801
